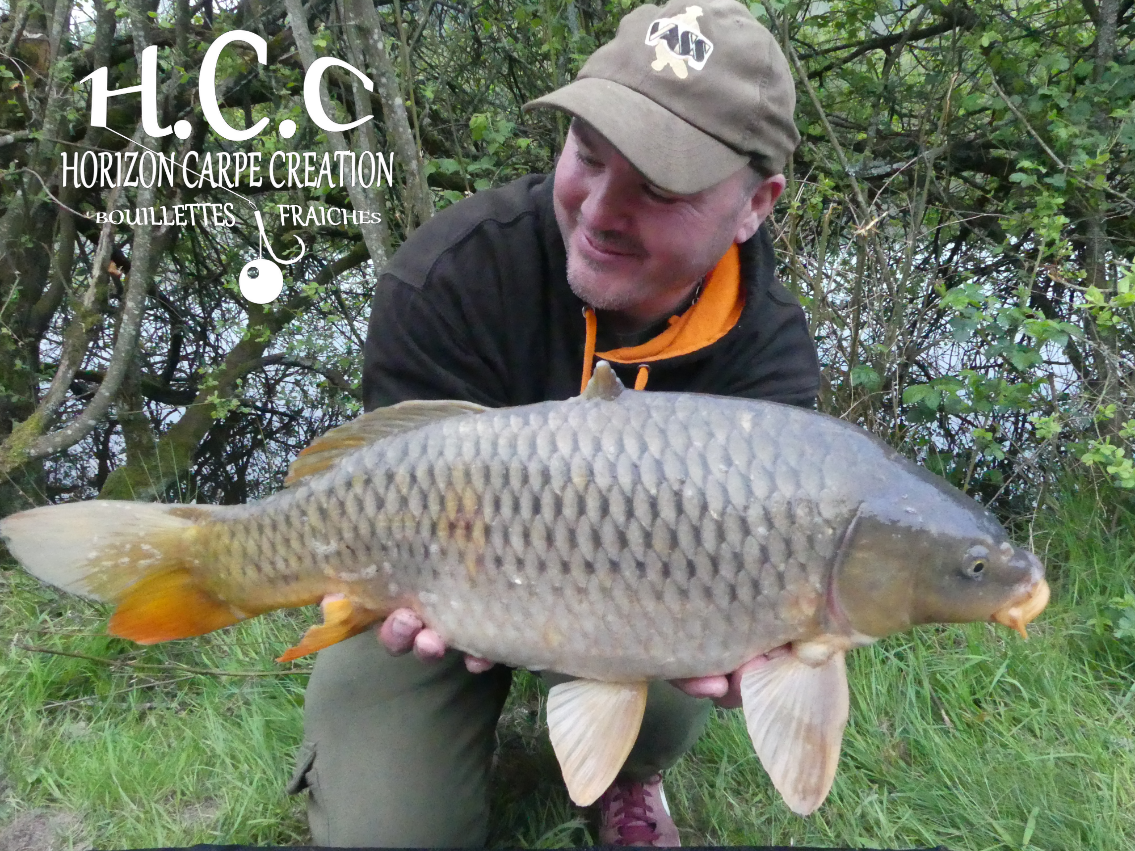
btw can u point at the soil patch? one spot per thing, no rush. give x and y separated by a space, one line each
41 830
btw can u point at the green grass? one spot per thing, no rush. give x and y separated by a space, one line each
966 736
143 758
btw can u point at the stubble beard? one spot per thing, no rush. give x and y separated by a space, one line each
588 284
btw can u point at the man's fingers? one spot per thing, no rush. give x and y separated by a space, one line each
731 699
404 631
703 686
428 645
725 690
398 631
477 665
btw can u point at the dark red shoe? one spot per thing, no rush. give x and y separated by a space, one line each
637 814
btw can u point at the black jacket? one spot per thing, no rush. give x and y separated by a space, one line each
475 305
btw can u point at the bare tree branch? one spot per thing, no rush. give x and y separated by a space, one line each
173 666
362 14
375 233
334 376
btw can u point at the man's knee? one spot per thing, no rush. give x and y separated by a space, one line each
671 725
397 752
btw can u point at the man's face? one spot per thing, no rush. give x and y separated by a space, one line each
634 248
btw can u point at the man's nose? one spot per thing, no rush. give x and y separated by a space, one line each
607 205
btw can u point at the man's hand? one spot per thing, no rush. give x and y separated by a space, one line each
725 689
404 631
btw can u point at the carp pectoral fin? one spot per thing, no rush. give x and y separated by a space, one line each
593 727
374 425
169 604
342 619
796 714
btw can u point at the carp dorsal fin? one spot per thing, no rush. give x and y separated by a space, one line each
375 425
593 726
796 714
604 384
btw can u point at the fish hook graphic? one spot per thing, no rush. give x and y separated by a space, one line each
261 280
264 242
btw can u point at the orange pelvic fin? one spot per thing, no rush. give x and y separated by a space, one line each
342 619
169 604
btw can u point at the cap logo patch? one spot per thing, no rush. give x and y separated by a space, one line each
678 41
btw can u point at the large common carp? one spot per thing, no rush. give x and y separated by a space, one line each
619 537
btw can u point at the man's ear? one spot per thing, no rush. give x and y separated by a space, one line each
760 206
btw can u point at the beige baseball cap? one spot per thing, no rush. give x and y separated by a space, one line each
688 93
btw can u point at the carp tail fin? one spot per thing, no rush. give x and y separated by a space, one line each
138 556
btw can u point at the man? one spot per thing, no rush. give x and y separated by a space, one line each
645 249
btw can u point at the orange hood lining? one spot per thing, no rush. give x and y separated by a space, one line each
706 321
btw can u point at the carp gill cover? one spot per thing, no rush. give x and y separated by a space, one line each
619 537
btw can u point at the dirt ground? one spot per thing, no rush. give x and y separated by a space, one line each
42 830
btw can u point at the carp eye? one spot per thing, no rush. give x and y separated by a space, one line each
977 559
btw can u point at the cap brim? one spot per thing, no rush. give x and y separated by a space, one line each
670 152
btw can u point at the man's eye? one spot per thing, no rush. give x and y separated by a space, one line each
661 195
588 160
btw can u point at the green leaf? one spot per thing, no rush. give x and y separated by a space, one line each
924 395
1025 359
1046 427
866 377
967 295
478 124
962 328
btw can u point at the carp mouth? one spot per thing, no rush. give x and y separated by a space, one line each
1017 614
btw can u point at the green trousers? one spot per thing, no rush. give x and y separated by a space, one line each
396 752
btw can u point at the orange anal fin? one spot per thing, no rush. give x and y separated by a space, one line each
170 604
342 619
